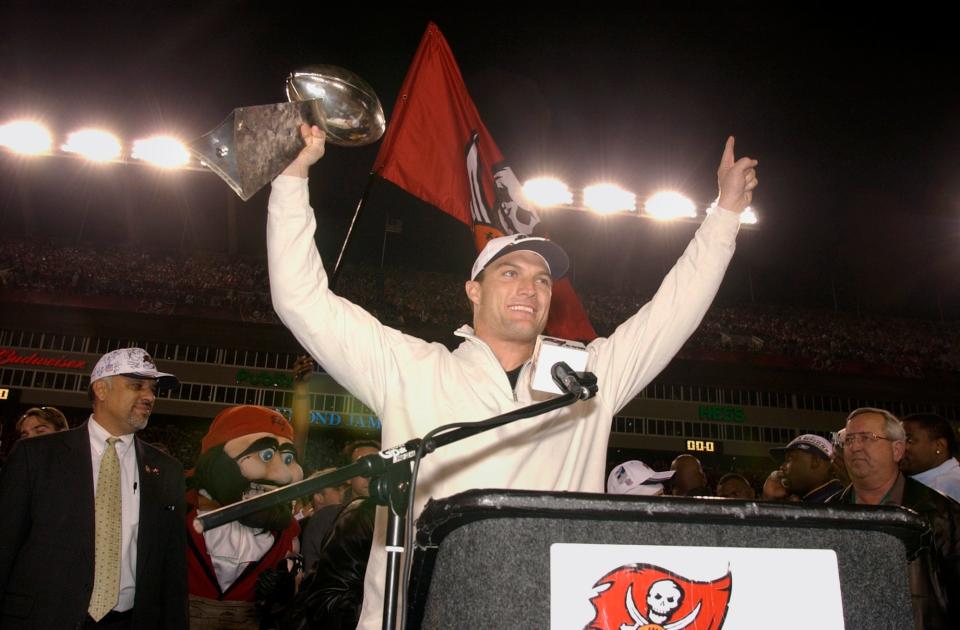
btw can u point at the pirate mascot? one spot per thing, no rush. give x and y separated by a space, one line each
239 571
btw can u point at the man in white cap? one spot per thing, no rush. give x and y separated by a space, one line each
115 557
415 386
635 477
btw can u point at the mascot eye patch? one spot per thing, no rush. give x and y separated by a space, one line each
266 448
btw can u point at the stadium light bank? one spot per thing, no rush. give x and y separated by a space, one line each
32 138
549 193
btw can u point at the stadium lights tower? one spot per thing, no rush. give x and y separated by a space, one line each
31 138
26 137
162 151
547 192
609 198
96 145
669 205
664 206
748 216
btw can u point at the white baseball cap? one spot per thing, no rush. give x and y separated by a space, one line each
557 260
133 362
635 477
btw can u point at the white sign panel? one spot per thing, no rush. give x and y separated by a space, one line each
633 587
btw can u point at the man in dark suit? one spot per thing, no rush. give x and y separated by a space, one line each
53 488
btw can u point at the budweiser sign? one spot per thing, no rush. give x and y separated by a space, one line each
9 356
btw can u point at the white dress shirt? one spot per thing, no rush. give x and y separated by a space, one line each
944 478
129 501
233 547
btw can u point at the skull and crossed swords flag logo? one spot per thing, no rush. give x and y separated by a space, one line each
648 597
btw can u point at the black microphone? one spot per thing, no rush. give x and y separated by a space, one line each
565 378
581 384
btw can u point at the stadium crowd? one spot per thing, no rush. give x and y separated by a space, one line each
237 287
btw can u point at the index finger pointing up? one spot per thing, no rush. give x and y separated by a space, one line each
727 160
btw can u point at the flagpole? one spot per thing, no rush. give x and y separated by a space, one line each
346 241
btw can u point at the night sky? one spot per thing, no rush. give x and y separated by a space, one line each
855 119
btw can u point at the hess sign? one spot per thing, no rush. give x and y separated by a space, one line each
703 446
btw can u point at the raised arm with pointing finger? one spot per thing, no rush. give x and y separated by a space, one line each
414 385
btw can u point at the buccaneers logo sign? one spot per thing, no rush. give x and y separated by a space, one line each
509 213
647 597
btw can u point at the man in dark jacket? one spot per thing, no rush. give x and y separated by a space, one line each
49 554
330 596
807 468
873 445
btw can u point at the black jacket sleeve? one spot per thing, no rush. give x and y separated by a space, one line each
331 595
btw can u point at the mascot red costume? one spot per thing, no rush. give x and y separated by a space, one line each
238 571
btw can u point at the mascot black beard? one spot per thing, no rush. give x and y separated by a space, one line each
241 571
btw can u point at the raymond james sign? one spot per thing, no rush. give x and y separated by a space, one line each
334 420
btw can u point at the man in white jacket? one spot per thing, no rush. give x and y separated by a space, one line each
415 386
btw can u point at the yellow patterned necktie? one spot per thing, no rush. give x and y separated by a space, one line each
106 576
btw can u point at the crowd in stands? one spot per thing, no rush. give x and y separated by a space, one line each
829 339
237 287
149 281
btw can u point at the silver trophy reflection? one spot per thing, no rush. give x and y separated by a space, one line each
254 144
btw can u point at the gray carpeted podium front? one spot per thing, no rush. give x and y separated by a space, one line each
483 557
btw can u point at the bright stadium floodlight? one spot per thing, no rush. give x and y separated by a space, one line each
547 192
162 151
25 136
747 217
669 205
93 144
608 198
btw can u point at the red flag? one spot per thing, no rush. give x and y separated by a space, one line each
438 149
648 597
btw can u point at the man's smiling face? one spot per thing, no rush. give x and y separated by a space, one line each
124 403
511 302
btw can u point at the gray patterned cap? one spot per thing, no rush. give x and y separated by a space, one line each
807 442
131 362
635 477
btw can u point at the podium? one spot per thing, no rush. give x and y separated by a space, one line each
483 557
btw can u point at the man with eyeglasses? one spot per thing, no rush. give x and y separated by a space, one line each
873 444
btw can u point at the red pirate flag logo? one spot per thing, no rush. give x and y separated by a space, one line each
647 597
510 213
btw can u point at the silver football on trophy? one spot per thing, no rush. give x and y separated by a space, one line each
345 105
